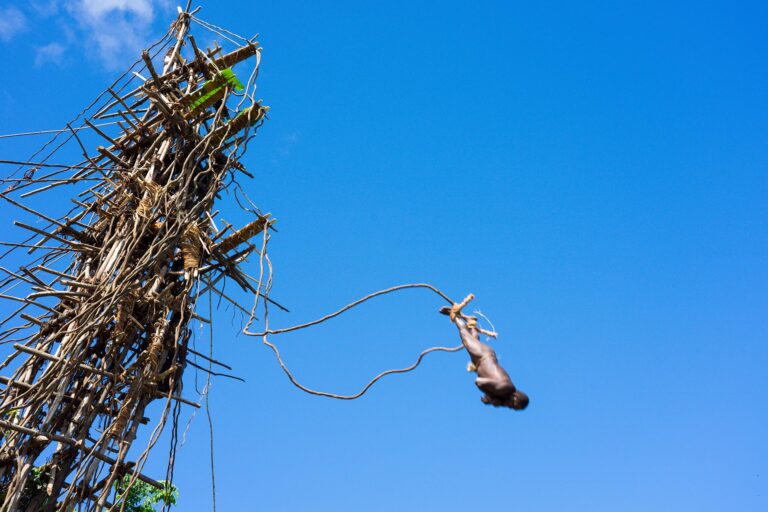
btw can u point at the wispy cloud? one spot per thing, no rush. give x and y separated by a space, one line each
110 31
12 21
52 53
117 29
96 10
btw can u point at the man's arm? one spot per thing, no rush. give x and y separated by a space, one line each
469 339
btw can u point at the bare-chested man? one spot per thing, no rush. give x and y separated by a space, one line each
492 379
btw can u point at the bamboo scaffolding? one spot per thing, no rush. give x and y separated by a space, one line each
112 338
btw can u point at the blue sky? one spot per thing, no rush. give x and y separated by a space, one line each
594 172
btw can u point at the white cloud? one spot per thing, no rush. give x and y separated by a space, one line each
52 53
12 21
97 10
118 29
111 31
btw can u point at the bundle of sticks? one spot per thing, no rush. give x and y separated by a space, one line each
103 331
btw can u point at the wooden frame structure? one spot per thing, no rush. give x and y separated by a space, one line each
104 327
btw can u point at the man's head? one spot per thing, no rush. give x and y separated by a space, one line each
518 401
